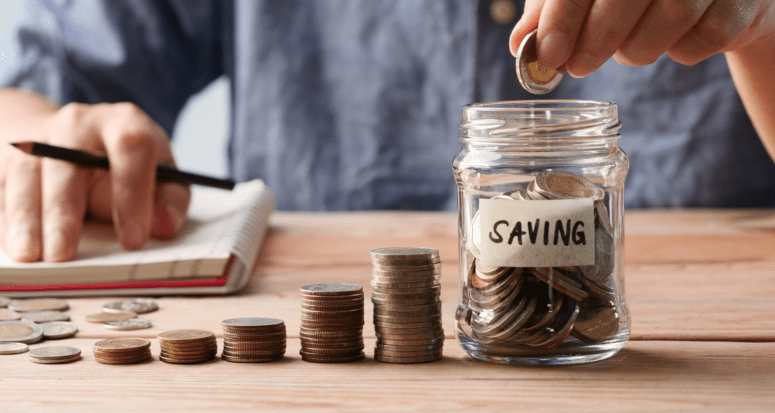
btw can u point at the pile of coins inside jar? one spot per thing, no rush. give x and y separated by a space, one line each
540 307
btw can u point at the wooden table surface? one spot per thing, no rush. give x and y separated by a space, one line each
700 286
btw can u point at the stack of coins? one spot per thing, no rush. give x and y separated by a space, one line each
540 307
187 346
332 323
122 351
253 340
54 355
407 309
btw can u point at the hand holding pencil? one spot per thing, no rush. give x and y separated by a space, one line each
44 201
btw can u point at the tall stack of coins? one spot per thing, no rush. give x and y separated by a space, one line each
540 307
122 351
253 340
332 323
187 346
407 309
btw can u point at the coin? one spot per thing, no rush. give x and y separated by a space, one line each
9 315
174 360
532 75
54 355
136 305
404 253
128 324
58 330
186 336
322 358
251 359
20 331
254 323
114 316
596 322
133 360
122 345
13 348
407 360
331 289
253 339
4 301
604 257
38 304
45 316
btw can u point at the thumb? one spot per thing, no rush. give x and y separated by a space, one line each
526 24
171 202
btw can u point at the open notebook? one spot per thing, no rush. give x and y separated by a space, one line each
213 254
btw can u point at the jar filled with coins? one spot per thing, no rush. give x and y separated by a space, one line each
541 232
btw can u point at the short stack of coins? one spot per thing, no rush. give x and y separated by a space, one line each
541 307
407 309
253 340
332 323
122 351
187 346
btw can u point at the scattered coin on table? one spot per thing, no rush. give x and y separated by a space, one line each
187 346
407 308
128 324
332 321
20 331
55 330
45 316
4 301
38 304
104 317
122 351
253 340
13 348
54 355
9 315
136 305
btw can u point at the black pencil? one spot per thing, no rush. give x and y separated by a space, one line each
164 173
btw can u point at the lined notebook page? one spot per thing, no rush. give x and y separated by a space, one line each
220 223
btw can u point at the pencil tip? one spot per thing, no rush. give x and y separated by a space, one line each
15 144
23 146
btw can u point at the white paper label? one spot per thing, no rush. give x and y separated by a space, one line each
546 233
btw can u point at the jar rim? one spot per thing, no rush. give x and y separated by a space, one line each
540 104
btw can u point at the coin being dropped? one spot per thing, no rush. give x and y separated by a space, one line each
13 348
137 305
58 329
534 77
105 317
128 324
54 355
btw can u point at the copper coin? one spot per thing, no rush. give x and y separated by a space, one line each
122 345
251 360
321 358
407 360
103 317
122 355
186 336
184 361
127 361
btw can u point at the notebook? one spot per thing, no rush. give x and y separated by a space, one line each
214 253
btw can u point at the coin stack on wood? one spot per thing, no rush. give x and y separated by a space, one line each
54 355
540 307
187 346
122 351
407 310
253 340
332 323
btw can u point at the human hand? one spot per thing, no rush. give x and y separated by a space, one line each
43 201
584 34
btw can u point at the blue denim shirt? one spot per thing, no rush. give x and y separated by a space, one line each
354 104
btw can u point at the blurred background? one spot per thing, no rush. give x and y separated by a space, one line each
199 139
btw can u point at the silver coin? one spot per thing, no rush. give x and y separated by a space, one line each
534 77
596 322
38 304
136 305
604 257
4 301
331 289
13 348
20 332
128 324
602 218
9 315
58 329
406 263
487 322
40 317
404 253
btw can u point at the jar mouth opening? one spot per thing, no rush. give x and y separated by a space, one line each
516 106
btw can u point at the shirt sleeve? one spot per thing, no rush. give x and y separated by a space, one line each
152 53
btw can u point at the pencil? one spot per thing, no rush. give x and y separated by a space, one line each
164 173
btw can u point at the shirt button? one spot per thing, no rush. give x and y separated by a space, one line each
503 11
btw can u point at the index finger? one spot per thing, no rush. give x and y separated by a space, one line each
526 24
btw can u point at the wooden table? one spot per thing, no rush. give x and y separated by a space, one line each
700 286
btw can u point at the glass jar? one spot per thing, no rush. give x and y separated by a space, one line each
541 230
